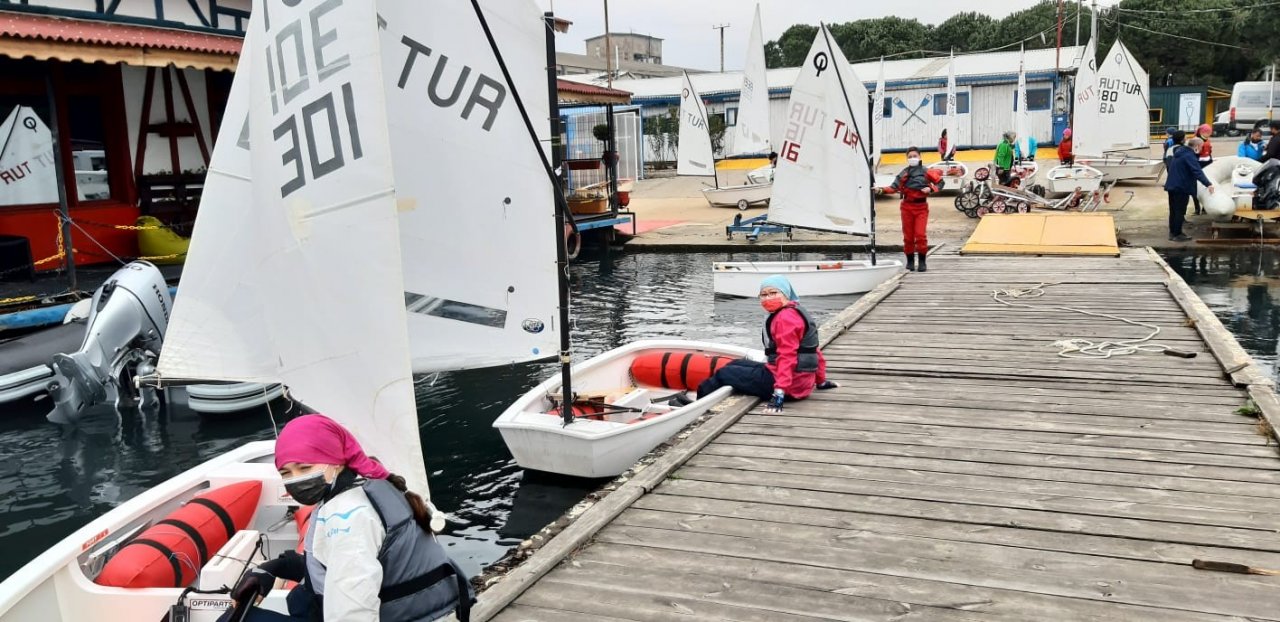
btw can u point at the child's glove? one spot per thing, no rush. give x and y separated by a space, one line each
826 384
775 402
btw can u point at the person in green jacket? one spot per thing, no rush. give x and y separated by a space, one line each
1004 158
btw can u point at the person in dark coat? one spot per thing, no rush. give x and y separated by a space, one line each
1183 173
1273 146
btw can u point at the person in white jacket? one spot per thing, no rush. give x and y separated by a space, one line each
345 574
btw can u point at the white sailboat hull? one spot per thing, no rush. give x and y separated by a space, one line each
589 448
762 175
809 278
1063 178
953 174
740 197
1120 167
57 586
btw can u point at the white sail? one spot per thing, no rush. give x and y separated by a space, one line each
298 280
1122 105
694 155
751 135
823 180
877 118
477 220
1086 126
953 108
1022 116
26 159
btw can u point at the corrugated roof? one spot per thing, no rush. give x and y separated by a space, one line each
46 28
969 68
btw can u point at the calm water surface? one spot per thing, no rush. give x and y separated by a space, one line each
54 480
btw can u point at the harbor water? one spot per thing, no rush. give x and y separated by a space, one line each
54 480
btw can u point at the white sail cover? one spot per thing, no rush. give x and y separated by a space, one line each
877 118
26 159
752 131
1022 116
823 178
1086 124
1122 105
296 278
477 220
694 156
953 108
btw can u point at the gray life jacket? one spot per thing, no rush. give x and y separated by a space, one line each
419 581
807 357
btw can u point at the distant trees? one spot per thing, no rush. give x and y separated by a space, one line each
1162 34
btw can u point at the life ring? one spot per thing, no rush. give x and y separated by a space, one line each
572 241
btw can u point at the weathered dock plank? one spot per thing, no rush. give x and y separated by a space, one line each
963 470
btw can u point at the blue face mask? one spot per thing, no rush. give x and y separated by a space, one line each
307 489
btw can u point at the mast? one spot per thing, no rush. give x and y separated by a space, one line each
871 166
562 211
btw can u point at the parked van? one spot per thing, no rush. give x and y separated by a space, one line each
1250 103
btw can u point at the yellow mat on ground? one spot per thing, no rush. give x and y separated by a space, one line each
1044 234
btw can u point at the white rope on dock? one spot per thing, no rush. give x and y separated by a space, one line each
1079 348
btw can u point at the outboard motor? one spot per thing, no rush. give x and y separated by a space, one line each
127 321
1266 196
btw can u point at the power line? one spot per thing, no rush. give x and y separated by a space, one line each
1169 34
1185 11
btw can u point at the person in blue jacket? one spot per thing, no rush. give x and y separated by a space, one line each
1032 145
1252 147
1184 171
1168 141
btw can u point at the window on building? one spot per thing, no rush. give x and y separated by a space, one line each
940 103
888 107
27 174
1037 99
731 116
90 130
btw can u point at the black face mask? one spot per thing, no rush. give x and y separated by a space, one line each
308 489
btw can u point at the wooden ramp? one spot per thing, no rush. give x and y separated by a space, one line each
1089 233
962 471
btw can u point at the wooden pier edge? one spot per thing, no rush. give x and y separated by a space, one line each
1238 365
511 586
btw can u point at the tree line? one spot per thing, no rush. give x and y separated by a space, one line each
1164 35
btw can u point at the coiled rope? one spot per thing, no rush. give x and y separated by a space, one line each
1078 348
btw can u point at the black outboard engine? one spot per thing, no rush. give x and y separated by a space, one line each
126 326
1267 180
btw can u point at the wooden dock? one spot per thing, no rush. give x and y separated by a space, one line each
962 471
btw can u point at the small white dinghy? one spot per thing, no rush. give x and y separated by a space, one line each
695 158
826 186
741 197
1070 178
814 278
1118 166
627 418
953 175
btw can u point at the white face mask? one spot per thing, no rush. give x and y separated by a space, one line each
913 161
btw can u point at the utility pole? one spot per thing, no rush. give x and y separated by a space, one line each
1057 61
1093 21
721 28
1079 10
608 46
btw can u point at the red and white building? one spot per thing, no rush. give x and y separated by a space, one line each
127 95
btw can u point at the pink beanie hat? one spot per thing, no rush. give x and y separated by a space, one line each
317 439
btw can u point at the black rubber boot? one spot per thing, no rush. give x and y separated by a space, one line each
911 262
922 267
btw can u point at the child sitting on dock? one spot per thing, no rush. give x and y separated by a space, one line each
795 365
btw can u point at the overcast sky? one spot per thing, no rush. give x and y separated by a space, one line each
689 40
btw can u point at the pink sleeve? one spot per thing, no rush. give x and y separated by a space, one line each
788 330
821 376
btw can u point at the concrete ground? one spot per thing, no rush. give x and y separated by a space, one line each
672 214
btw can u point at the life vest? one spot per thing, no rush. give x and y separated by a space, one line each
807 356
419 581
